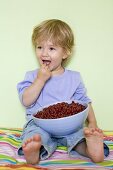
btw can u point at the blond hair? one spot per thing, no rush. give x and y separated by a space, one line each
57 31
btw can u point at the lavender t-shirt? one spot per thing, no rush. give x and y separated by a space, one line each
67 86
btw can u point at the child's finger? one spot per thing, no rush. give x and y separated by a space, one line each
47 66
43 65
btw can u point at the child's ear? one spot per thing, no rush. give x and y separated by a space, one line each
66 54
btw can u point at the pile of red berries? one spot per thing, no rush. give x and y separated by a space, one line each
60 110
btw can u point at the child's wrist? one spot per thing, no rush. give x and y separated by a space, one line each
92 125
40 80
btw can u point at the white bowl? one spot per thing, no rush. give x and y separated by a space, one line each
63 126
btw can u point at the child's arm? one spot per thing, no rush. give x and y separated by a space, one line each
92 123
32 92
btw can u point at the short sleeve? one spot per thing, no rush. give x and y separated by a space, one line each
81 92
21 86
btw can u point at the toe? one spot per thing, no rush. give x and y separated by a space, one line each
37 138
86 130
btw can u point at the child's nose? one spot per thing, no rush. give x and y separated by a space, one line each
45 53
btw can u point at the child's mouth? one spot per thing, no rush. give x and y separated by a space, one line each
46 62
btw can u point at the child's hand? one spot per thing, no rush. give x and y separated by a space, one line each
44 73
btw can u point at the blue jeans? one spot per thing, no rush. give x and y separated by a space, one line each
50 143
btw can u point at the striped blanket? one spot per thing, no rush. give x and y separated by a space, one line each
9 159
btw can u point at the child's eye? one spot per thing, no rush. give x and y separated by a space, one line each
52 48
39 47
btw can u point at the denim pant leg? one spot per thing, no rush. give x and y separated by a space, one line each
73 139
48 145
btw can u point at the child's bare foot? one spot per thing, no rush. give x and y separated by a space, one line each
31 149
94 141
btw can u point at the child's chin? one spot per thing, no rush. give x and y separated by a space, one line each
51 69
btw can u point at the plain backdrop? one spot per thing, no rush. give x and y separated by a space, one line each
92 24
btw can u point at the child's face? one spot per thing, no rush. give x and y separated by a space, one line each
50 55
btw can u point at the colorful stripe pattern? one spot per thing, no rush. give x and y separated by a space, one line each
10 141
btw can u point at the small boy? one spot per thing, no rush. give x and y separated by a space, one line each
52 82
